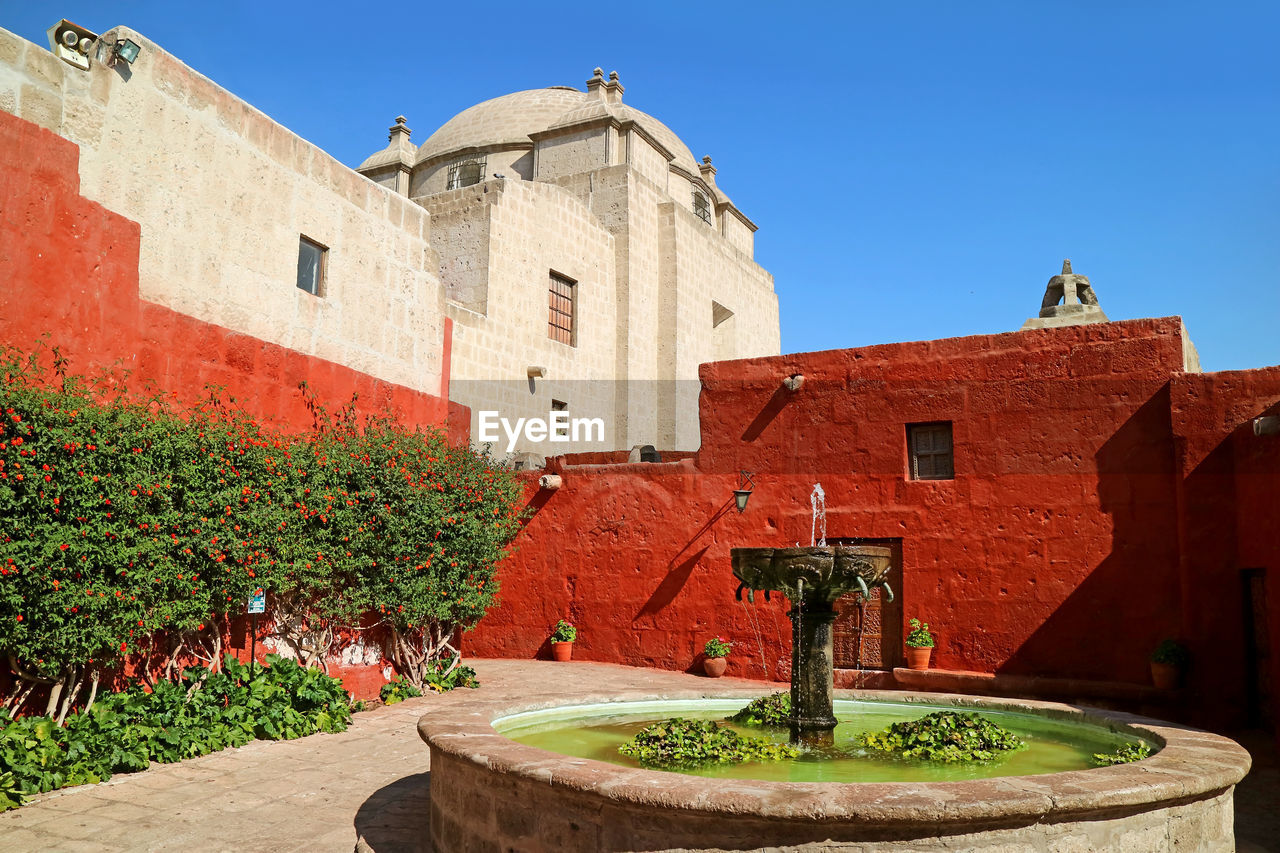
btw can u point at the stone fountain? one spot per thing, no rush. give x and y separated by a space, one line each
812 578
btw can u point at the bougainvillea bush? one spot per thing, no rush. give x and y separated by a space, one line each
131 530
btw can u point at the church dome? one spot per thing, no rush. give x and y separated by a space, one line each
510 119
501 121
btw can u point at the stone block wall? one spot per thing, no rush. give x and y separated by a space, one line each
222 194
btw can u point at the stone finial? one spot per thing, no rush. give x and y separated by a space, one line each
1079 304
613 89
708 171
595 86
398 128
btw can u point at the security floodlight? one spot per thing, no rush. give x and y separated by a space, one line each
126 50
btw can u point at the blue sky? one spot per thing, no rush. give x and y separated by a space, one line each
917 169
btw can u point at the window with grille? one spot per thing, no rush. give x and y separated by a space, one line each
311 264
931 451
561 304
702 206
464 173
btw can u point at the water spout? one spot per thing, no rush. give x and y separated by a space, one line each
818 500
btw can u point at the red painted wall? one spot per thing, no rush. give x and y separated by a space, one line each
1055 551
1230 521
70 268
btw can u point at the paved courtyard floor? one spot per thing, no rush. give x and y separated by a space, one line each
366 789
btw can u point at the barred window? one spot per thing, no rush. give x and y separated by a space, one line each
466 172
702 206
931 452
561 295
311 264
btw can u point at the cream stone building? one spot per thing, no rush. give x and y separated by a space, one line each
586 260
579 236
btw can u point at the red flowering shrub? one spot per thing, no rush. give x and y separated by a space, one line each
128 528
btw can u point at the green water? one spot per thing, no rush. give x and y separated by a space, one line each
596 731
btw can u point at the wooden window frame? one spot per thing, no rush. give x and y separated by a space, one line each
927 458
562 309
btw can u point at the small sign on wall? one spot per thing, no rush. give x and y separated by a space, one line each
258 601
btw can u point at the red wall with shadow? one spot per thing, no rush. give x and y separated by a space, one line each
1058 549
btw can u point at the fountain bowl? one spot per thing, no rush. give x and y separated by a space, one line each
818 572
489 792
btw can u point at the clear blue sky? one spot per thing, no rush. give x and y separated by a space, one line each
917 169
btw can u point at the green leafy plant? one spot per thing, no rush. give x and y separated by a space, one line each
397 690
771 710
1171 652
564 632
203 712
442 679
919 636
717 647
680 743
1126 754
947 736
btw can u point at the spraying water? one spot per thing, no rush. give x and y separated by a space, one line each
818 500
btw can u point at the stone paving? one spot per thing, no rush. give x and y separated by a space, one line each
366 789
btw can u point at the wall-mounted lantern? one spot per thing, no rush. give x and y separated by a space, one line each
745 487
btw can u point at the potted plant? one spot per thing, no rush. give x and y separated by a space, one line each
562 640
716 656
919 645
1168 662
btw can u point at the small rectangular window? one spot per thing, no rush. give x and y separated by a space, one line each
702 206
311 263
930 449
561 314
464 173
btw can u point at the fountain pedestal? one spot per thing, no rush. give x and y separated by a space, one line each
813 578
812 665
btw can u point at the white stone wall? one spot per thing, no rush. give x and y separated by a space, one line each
645 159
222 194
532 229
571 154
510 163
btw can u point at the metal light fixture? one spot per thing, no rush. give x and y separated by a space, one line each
126 50
71 43
745 487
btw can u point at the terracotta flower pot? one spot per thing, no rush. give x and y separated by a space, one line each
562 651
715 667
918 658
1164 675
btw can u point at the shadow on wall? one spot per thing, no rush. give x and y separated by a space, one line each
1107 618
679 568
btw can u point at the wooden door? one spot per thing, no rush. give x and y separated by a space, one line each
869 636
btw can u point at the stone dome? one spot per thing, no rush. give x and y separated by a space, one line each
511 118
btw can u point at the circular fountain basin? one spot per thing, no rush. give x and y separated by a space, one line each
490 792
596 731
